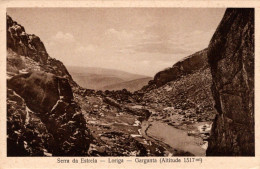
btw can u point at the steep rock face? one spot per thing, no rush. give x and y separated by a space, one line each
50 98
231 58
187 66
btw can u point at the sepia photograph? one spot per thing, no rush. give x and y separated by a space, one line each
130 82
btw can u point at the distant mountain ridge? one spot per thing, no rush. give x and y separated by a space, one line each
105 79
132 85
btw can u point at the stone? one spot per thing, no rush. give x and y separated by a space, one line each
51 98
231 59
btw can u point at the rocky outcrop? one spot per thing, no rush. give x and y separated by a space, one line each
31 46
50 99
25 44
231 58
187 66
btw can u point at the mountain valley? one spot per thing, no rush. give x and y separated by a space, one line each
53 110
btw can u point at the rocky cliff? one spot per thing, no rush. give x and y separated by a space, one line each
42 116
185 86
188 65
231 59
27 51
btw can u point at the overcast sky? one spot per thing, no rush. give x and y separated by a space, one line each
137 40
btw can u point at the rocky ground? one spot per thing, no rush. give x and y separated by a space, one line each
138 116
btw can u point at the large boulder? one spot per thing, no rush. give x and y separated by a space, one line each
231 59
50 98
41 90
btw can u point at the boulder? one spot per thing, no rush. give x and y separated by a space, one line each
51 99
41 90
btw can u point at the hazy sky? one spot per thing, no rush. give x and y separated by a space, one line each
137 40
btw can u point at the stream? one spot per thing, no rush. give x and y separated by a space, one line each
171 138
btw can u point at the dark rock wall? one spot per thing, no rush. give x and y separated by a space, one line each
231 58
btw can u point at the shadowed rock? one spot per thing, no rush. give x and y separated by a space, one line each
51 99
41 90
231 58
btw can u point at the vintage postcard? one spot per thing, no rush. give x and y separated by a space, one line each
121 84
